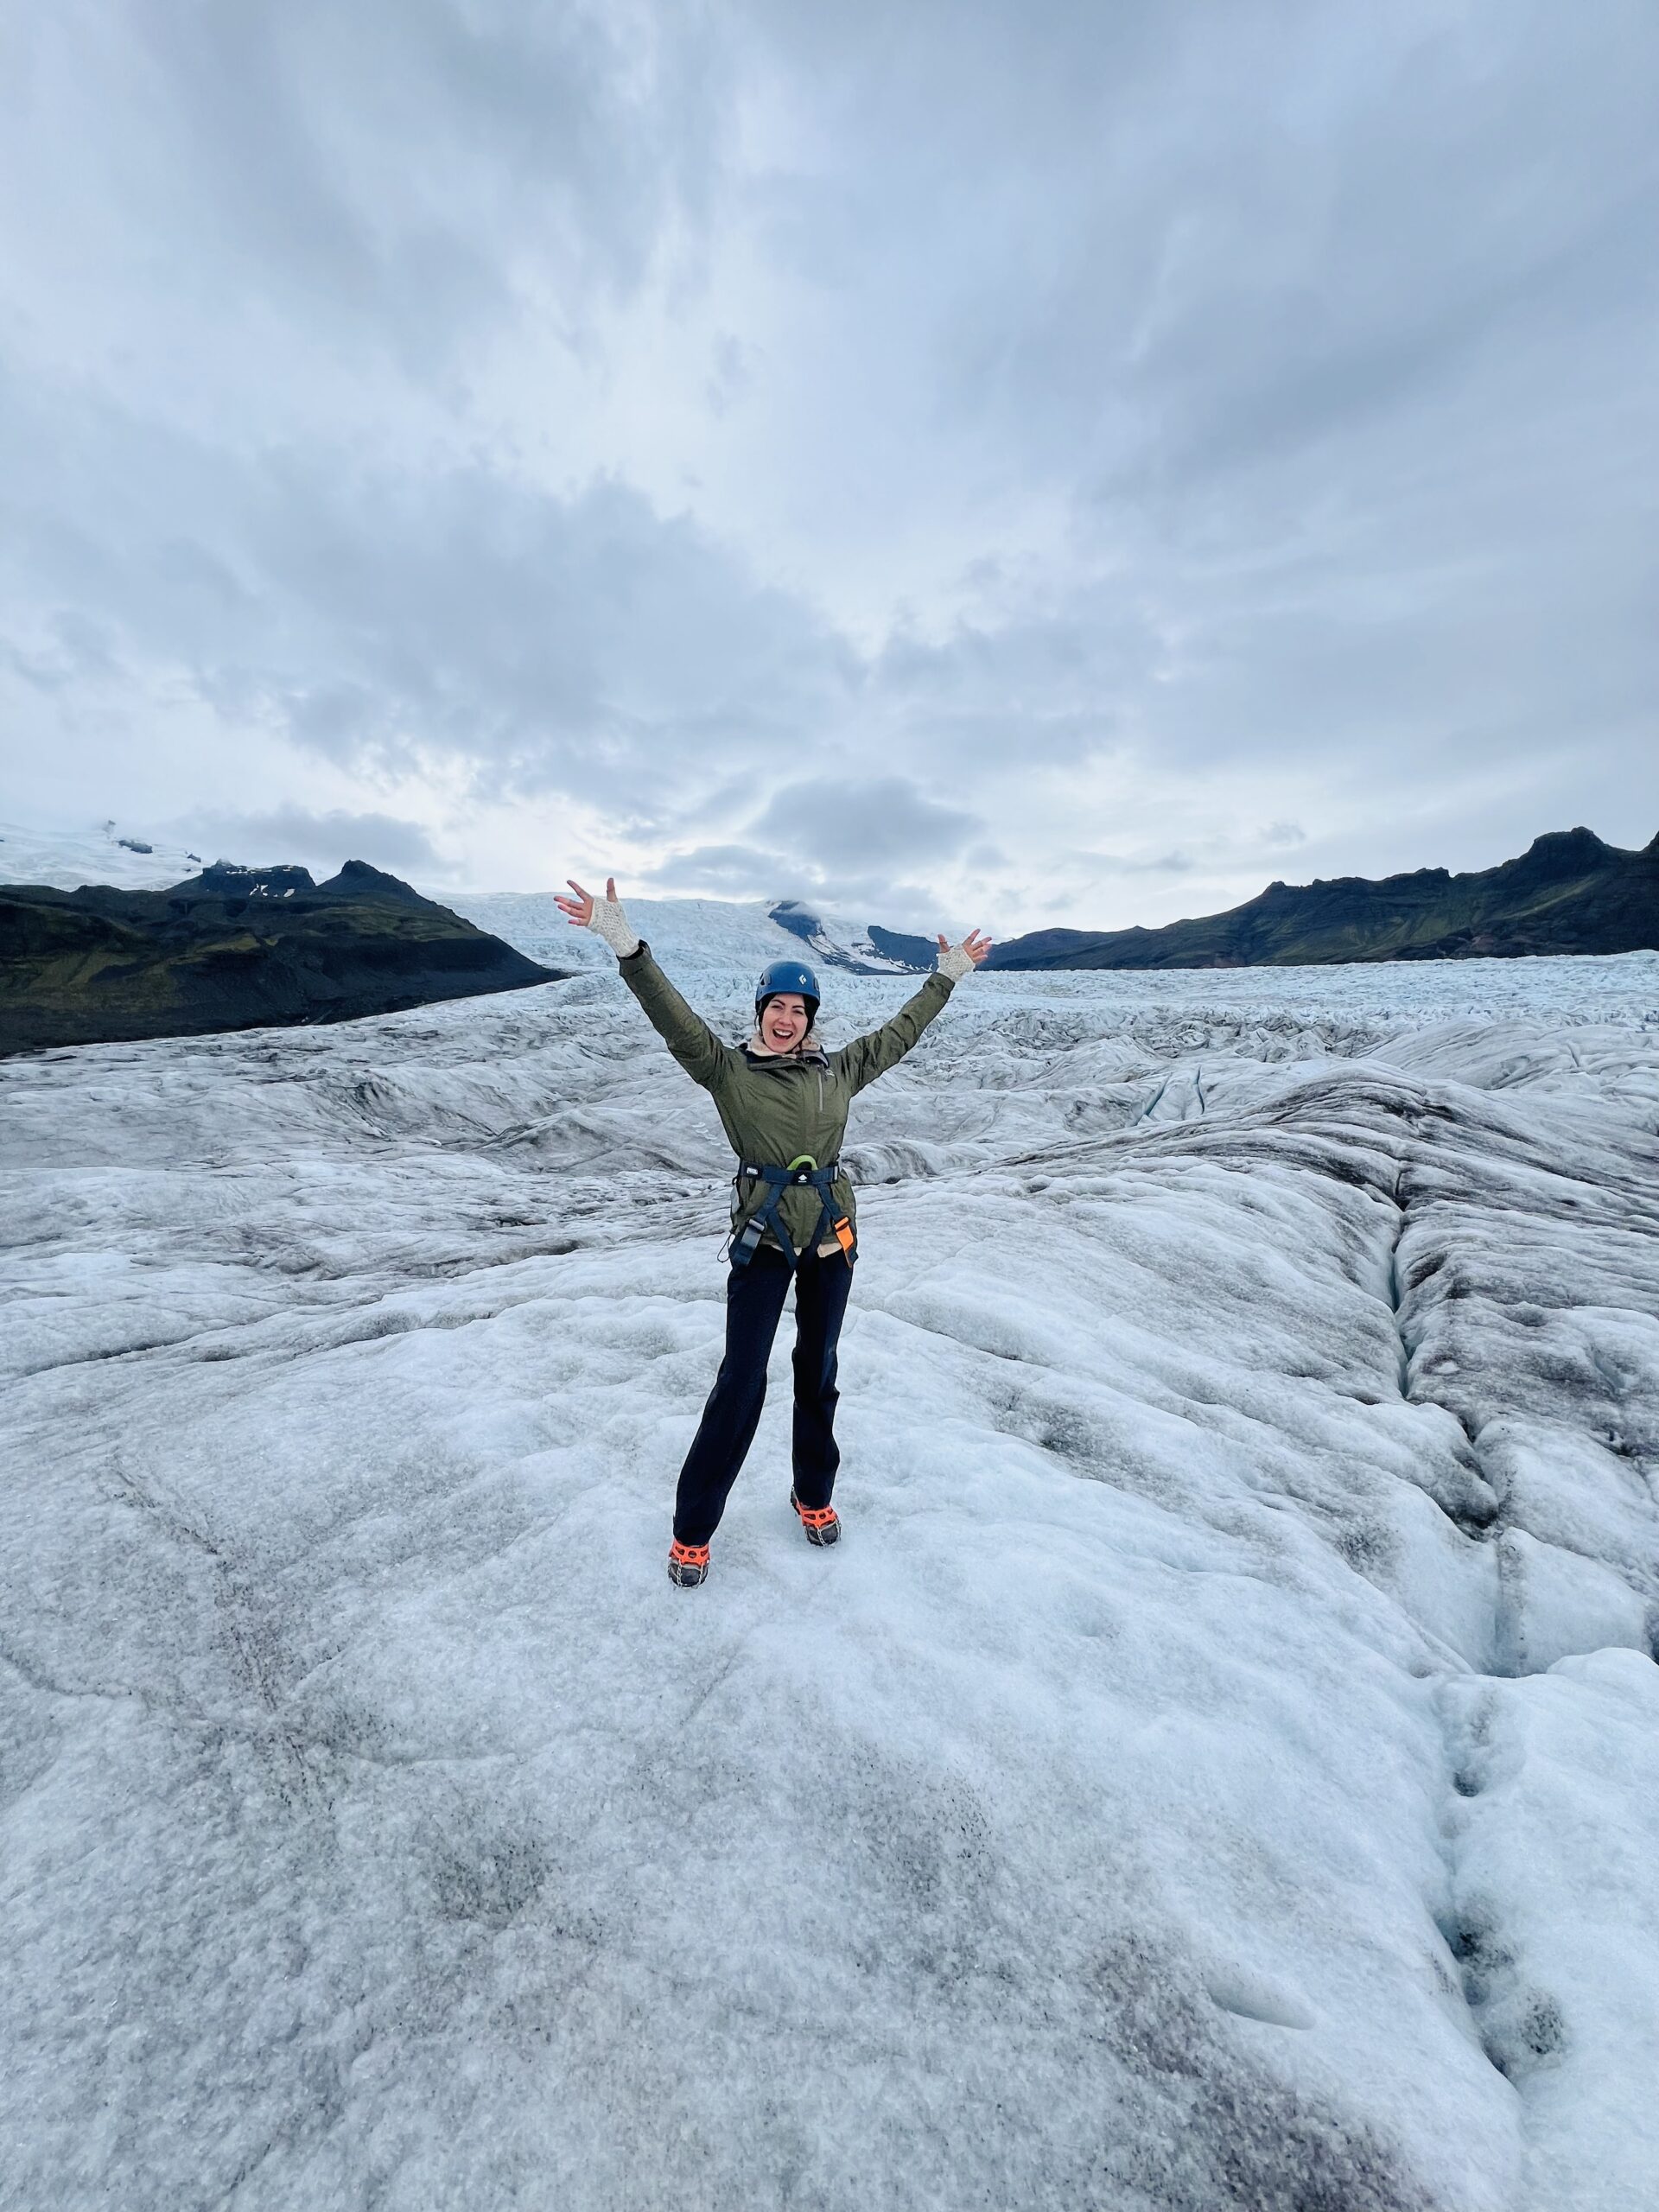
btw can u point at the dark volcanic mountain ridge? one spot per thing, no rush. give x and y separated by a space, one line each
233 947
1567 892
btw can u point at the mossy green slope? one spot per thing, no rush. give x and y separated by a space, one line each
1567 892
233 949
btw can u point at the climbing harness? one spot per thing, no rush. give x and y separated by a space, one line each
803 1170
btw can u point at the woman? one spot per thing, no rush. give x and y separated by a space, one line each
782 1101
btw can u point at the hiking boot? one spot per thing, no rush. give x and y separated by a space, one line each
818 1520
688 1564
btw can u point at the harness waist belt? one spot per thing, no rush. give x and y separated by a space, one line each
821 1178
766 1216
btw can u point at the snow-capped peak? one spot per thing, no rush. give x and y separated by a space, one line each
840 943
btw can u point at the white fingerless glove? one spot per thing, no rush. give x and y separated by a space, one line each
614 927
954 964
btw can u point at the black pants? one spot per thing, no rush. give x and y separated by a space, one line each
754 1299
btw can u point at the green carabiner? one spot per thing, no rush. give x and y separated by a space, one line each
803 1160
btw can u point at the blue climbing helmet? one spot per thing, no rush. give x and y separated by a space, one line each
788 976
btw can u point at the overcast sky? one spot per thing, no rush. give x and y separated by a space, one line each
1002 463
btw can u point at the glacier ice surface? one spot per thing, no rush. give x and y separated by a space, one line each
1218 1769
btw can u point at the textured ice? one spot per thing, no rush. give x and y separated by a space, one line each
704 938
1218 1769
109 854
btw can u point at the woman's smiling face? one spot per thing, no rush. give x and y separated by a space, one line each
783 1021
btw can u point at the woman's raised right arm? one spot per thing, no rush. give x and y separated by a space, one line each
686 1034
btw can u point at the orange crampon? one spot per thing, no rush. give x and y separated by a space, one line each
688 1564
819 1522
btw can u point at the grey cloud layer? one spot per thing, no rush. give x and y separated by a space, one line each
846 825
396 174
318 840
586 645
835 836
1308 355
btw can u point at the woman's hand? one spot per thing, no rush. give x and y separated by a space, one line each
579 911
585 911
976 947
955 961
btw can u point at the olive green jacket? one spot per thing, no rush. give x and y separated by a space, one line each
775 1107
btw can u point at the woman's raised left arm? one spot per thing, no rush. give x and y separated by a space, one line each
867 1058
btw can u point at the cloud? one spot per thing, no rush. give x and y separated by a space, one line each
325 840
732 374
273 148
583 643
838 846
724 871
837 825
861 848
1009 412
1170 863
